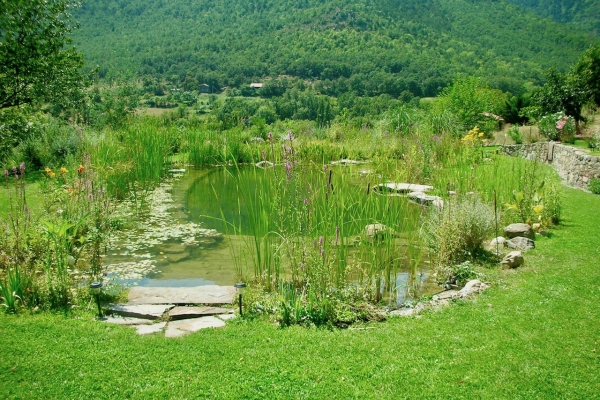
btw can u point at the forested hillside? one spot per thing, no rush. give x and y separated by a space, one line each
368 47
584 14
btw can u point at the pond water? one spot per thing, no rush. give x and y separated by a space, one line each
183 240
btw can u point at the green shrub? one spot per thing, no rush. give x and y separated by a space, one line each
558 127
515 134
456 233
594 186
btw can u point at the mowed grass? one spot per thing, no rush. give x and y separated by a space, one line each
535 334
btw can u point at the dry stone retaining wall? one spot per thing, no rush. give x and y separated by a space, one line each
573 165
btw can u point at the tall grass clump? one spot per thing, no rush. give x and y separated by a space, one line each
456 233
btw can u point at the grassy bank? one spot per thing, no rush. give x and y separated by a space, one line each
533 335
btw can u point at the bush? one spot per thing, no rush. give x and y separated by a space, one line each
456 233
594 186
515 134
558 127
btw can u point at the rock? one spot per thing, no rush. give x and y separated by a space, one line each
499 241
207 294
177 171
125 320
473 286
520 229
400 188
345 161
146 311
424 199
378 231
265 164
407 312
183 327
448 294
513 259
175 258
178 313
149 329
451 193
171 248
521 243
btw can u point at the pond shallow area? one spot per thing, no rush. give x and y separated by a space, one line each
183 241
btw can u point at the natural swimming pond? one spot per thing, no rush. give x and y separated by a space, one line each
199 229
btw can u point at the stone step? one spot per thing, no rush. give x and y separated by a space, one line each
125 320
208 294
145 311
184 327
178 313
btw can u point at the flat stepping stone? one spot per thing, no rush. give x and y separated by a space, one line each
150 329
187 326
226 317
125 320
400 188
146 311
178 313
208 294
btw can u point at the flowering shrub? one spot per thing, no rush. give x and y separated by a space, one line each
475 136
557 126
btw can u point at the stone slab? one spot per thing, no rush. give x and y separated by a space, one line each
178 313
146 311
226 317
208 294
125 320
150 329
186 326
404 188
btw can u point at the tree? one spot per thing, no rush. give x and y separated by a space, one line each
37 65
566 93
588 70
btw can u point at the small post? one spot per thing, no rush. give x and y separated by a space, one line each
239 288
96 288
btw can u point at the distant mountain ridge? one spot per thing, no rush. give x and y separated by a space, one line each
364 46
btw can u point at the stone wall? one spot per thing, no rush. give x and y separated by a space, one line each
575 166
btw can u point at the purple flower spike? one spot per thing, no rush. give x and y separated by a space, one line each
305 200
325 168
320 241
270 135
290 135
15 173
302 265
6 173
22 168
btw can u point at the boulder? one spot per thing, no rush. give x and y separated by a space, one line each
499 241
473 286
378 231
519 229
521 243
513 259
425 199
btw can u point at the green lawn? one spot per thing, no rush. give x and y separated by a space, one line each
535 334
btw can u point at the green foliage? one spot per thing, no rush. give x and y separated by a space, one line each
472 102
594 186
557 126
407 49
582 14
38 66
588 71
515 134
566 93
456 233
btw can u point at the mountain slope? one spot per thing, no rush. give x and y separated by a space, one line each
369 47
584 14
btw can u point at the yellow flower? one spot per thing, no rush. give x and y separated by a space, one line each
48 170
51 174
63 170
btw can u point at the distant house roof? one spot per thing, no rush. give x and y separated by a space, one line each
204 85
256 85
